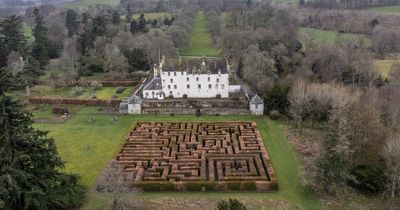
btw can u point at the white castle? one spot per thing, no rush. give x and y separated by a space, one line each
189 78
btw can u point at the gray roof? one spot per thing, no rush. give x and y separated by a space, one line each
256 100
153 84
135 100
212 65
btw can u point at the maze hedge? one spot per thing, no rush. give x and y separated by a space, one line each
203 156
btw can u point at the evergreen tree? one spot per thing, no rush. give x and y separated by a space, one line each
40 46
134 27
116 18
99 26
30 176
137 59
71 22
142 23
13 38
3 53
29 74
154 23
86 40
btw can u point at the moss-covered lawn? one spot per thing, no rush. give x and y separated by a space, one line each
387 9
87 148
201 42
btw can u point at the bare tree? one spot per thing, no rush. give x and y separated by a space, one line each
117 182
298 101
392 160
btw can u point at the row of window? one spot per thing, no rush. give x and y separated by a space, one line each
199 86
197 79
169 73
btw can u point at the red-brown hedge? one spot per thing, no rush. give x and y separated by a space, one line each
74 101
104 83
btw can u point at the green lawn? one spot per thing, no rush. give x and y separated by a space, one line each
201 42
387 9
80 4
87 148
65 92
329 37
153 15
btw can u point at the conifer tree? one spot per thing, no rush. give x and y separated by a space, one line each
71 22
40 46
11 34
30 176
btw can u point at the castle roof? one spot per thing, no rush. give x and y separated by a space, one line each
135 100
153 84
197 65
256 100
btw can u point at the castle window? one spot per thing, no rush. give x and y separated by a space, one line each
199 86
174 86
152 93
147 94
169 73
197 79
170 92
172 80
222 86
217 80
181 72
208 78
187 86
209 86
187 79
256 106
216 86
174 73
169 86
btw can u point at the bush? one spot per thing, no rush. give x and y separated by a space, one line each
249 186
276 98
157 186
218 96
114 96
231 204
96 85
199 186
60 110
274 114
234 186
185 96
198 113
120 90
76 91
368 179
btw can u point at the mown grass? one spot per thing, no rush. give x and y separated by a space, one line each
66 92
201 42
80 4
387 9
87 148
330 37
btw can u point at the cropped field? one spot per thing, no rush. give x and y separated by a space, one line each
80 4
387 9
330 37
87 148
201 42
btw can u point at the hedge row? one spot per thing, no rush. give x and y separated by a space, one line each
74 101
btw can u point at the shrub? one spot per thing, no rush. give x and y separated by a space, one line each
198 113
96 85
234 186
60 110
276 98
94 96
368 179
114 96
274 114
120 90
218 96
185 96
231 204
249 186
200 186
168 186
76 91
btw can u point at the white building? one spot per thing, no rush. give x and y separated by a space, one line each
191 78
256 105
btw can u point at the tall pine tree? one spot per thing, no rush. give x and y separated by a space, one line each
30 176
11 34
40 46
71 22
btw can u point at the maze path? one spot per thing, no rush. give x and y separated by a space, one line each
201 152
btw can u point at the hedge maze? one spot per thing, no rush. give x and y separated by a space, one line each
203 156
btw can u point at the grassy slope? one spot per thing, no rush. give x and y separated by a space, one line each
384 65
330 37
87 149
201 42
388 9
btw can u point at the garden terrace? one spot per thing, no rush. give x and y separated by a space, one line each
204 156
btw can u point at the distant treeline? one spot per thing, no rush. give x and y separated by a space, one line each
348 4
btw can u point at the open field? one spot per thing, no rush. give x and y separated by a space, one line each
87 92
80 4
330 37
154 15
387 9
201 42
87 148
384 65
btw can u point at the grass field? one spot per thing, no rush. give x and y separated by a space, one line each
80 4
87 148
387 9
65 92
153 15
330 37
384 65
201 42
